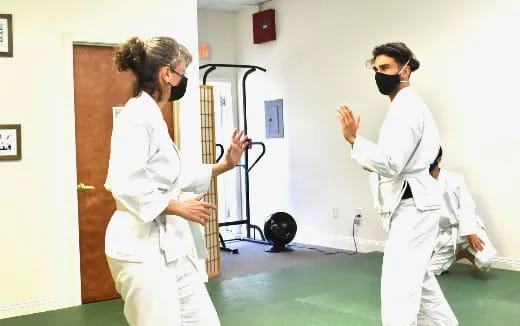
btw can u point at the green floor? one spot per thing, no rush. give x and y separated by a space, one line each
339 292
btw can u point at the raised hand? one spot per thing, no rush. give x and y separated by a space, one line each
349 124
238 144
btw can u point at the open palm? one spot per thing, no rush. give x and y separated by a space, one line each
238 144
349 124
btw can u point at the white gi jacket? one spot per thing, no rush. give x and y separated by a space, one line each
459 203
145 172
458 210
408 143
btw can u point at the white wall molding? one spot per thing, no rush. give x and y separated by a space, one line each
507 263
363 245
338 241
367 245
34 306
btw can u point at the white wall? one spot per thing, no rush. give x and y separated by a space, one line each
38 215
467 76
308 172
217 29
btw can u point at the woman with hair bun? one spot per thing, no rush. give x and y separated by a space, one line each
154 239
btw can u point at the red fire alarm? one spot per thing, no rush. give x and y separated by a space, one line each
264 28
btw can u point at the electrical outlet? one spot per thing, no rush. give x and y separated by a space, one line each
358 216
335 212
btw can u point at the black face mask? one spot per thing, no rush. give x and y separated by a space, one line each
177 92
388 83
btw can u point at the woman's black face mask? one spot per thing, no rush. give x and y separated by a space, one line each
177 92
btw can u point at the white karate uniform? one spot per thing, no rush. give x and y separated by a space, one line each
155 259
408 143
458 220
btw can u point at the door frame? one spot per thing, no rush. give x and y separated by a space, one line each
70 193
237 123
237 105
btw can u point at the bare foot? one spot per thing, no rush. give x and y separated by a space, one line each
464 253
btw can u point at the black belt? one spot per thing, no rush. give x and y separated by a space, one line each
407 192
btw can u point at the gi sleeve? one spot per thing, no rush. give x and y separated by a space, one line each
128 179
195 177
399 136
466 209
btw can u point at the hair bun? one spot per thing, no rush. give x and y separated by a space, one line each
130 55
414 64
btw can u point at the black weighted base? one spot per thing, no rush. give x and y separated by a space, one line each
276 248
226 249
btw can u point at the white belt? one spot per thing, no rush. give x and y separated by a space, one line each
171 250
454 238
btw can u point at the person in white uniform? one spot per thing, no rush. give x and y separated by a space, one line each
461 231
154 241
408 197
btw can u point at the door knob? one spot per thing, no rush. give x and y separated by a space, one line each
83 188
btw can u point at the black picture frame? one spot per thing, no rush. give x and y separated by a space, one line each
6 35
10 142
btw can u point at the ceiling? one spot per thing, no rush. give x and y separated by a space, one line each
227 5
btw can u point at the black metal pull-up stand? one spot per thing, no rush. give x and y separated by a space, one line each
247 168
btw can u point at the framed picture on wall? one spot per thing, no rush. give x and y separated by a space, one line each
10 142
6 35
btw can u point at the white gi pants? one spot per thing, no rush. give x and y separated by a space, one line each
156 293
410 294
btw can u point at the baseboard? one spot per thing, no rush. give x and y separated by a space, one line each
363 245
366 245
340 242
33 306
512 264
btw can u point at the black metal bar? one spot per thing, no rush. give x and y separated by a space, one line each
248 239
259 156
255 241
246 175
223 246
221 151
255 227
244 99
233 223
247 221
231 66
206 73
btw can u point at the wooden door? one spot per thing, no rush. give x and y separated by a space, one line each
98 87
